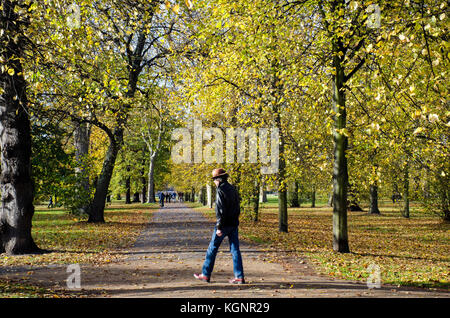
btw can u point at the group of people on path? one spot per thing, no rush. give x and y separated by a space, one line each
168 196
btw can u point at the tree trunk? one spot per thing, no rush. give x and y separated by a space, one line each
151 179
406 191
352 199
282 192
282 187
295 203
313 197
128 187
202 197
17 191
97 208
82 135
255 202
373 208
144 187
209 197
262 193
340 173
282 211
330 199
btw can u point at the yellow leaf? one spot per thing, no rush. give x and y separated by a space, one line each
11 72
176 8
190 5
418 130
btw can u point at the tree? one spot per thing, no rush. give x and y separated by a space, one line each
53 166
346 28
17 190
81 138
99 68
154 124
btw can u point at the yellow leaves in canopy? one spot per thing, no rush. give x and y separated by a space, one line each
189 4
418 130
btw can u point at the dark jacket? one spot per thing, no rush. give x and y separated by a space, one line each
227 206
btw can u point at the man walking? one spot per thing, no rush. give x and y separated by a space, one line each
227 214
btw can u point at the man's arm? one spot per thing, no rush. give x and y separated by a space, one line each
219 208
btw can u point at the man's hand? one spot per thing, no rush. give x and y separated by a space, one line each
219 233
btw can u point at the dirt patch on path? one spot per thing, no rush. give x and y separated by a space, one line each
172 248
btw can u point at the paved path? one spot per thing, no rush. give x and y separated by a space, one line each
172 248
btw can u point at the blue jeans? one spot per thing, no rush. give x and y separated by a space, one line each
211 253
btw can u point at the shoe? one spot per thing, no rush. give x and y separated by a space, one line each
202 277
238 281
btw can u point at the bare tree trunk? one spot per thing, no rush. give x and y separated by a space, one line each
282 193
202 196
255 201
82 135
330 199
373 208
282 187
128 188
17 191
151 179
295 202
209 195
144 187
262 193
97 208
406 191
313 197
340 173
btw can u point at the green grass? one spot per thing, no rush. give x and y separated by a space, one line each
71 239
409 252
15 290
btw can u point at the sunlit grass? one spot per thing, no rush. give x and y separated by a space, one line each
70 239
414 251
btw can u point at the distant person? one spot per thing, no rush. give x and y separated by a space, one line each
227 214
50 202
161 199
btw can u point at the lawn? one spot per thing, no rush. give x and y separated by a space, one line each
408 252
70 239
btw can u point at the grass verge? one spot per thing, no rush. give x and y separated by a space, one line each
70 239
406 252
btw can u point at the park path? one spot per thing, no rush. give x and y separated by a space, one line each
172 248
